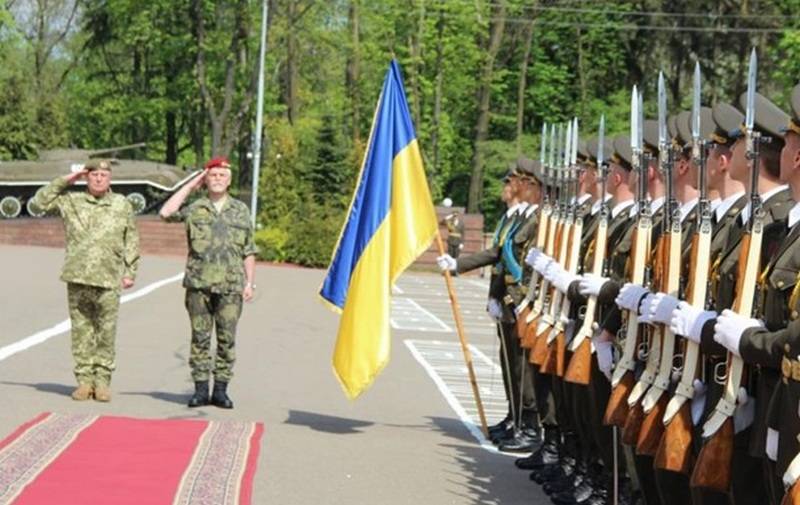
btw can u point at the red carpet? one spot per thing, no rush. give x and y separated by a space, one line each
85 460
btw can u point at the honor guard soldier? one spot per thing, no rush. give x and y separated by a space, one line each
102 258
220 272
749 481
506 428
767 343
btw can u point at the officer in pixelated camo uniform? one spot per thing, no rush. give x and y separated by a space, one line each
102 256
219 275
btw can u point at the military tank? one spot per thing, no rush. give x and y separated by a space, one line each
146 184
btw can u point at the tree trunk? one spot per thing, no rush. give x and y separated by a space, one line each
291 65
497 27
352 75
523 77
415 43
437 93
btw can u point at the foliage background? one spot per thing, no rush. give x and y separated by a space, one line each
180 75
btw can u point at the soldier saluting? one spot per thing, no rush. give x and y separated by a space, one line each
102 258
220 271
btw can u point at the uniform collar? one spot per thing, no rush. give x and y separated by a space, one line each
615 211
745 215
794 215
656 204
724 205
596 205
531 209
687 208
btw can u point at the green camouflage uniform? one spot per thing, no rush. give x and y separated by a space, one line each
102 247
218 244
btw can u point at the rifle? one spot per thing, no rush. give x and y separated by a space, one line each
792 496
540 349
674 452
556 249
549 239
713 468
622 380
670 255
541 236
556 340
580 364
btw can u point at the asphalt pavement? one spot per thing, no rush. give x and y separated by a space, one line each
412 438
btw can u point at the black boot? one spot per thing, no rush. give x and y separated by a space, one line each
200 396
220 397
546 454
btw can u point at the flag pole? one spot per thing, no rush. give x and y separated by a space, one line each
462 338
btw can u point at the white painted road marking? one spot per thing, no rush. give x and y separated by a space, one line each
450 377
64 326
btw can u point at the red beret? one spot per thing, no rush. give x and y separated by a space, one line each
218 162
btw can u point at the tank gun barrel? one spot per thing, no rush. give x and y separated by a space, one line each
111 150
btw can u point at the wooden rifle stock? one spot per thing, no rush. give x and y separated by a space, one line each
556 355
633 425
522 324
792 496
675 450
540 348
529 337
617 408
713 468
579 369
652 429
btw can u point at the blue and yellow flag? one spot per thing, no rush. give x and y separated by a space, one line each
390 223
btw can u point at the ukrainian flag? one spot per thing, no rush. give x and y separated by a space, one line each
390 223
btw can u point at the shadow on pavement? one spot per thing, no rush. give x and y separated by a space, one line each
164 396
493 478
45 387
326 424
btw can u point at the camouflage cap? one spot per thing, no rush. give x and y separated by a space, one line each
768 118
727 121
97 164
622 155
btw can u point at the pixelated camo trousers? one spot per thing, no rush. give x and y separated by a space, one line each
93 313
208 310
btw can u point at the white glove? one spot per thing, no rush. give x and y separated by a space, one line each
590 284
745 411
698 401
773 438
563 280
494 309
688 321
542 262
460 246
605 356
630 296
662 307
446 263
729 328
647 308
552 270
533 253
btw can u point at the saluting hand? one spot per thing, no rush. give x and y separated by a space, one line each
74 176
